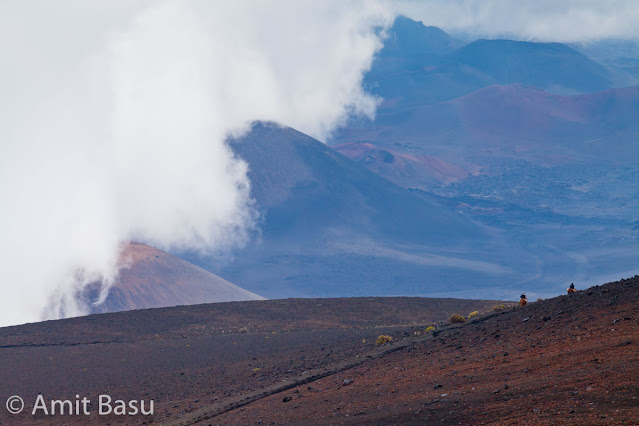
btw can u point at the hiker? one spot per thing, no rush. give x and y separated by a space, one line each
523 300
571 289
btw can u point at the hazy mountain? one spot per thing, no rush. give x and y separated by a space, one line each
529 138
332 227
152 278
305 187
421 64
510 121
553 66
619 55
411 45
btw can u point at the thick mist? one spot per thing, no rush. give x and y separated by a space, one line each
114 120
533 20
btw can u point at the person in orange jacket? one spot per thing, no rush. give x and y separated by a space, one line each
571 289
523 300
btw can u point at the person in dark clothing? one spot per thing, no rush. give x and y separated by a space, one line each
571 289
523 300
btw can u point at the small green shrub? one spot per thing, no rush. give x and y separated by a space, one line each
429 329
456 318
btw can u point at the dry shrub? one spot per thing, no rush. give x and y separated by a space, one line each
429 329
498 308
456 318
243 330
383 339
473 314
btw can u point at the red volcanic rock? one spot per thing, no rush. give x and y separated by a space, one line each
152 278
403 169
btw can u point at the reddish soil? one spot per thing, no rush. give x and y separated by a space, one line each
567 360
189 357
152 278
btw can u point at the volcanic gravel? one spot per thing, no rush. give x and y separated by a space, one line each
185 358
572 359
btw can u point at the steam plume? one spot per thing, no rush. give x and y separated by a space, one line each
114 118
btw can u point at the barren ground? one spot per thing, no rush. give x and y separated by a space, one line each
567 360
185 358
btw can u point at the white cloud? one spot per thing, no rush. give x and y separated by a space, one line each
115 115
540 20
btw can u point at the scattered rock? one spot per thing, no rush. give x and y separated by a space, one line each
438 386
546 318
526 319
347 382
287 399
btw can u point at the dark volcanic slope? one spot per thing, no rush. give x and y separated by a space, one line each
331 227
567 360
190 356
307 189
153 278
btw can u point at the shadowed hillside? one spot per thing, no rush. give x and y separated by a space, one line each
332 227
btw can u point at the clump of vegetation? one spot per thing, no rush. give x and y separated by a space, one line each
498 308
539 299
383 339
243 330
473 314
456 318
429 329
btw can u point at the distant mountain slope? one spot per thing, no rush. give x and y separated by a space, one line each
154 279
331 227
420 64
306 187
411 45
511 120
544 65
602 124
